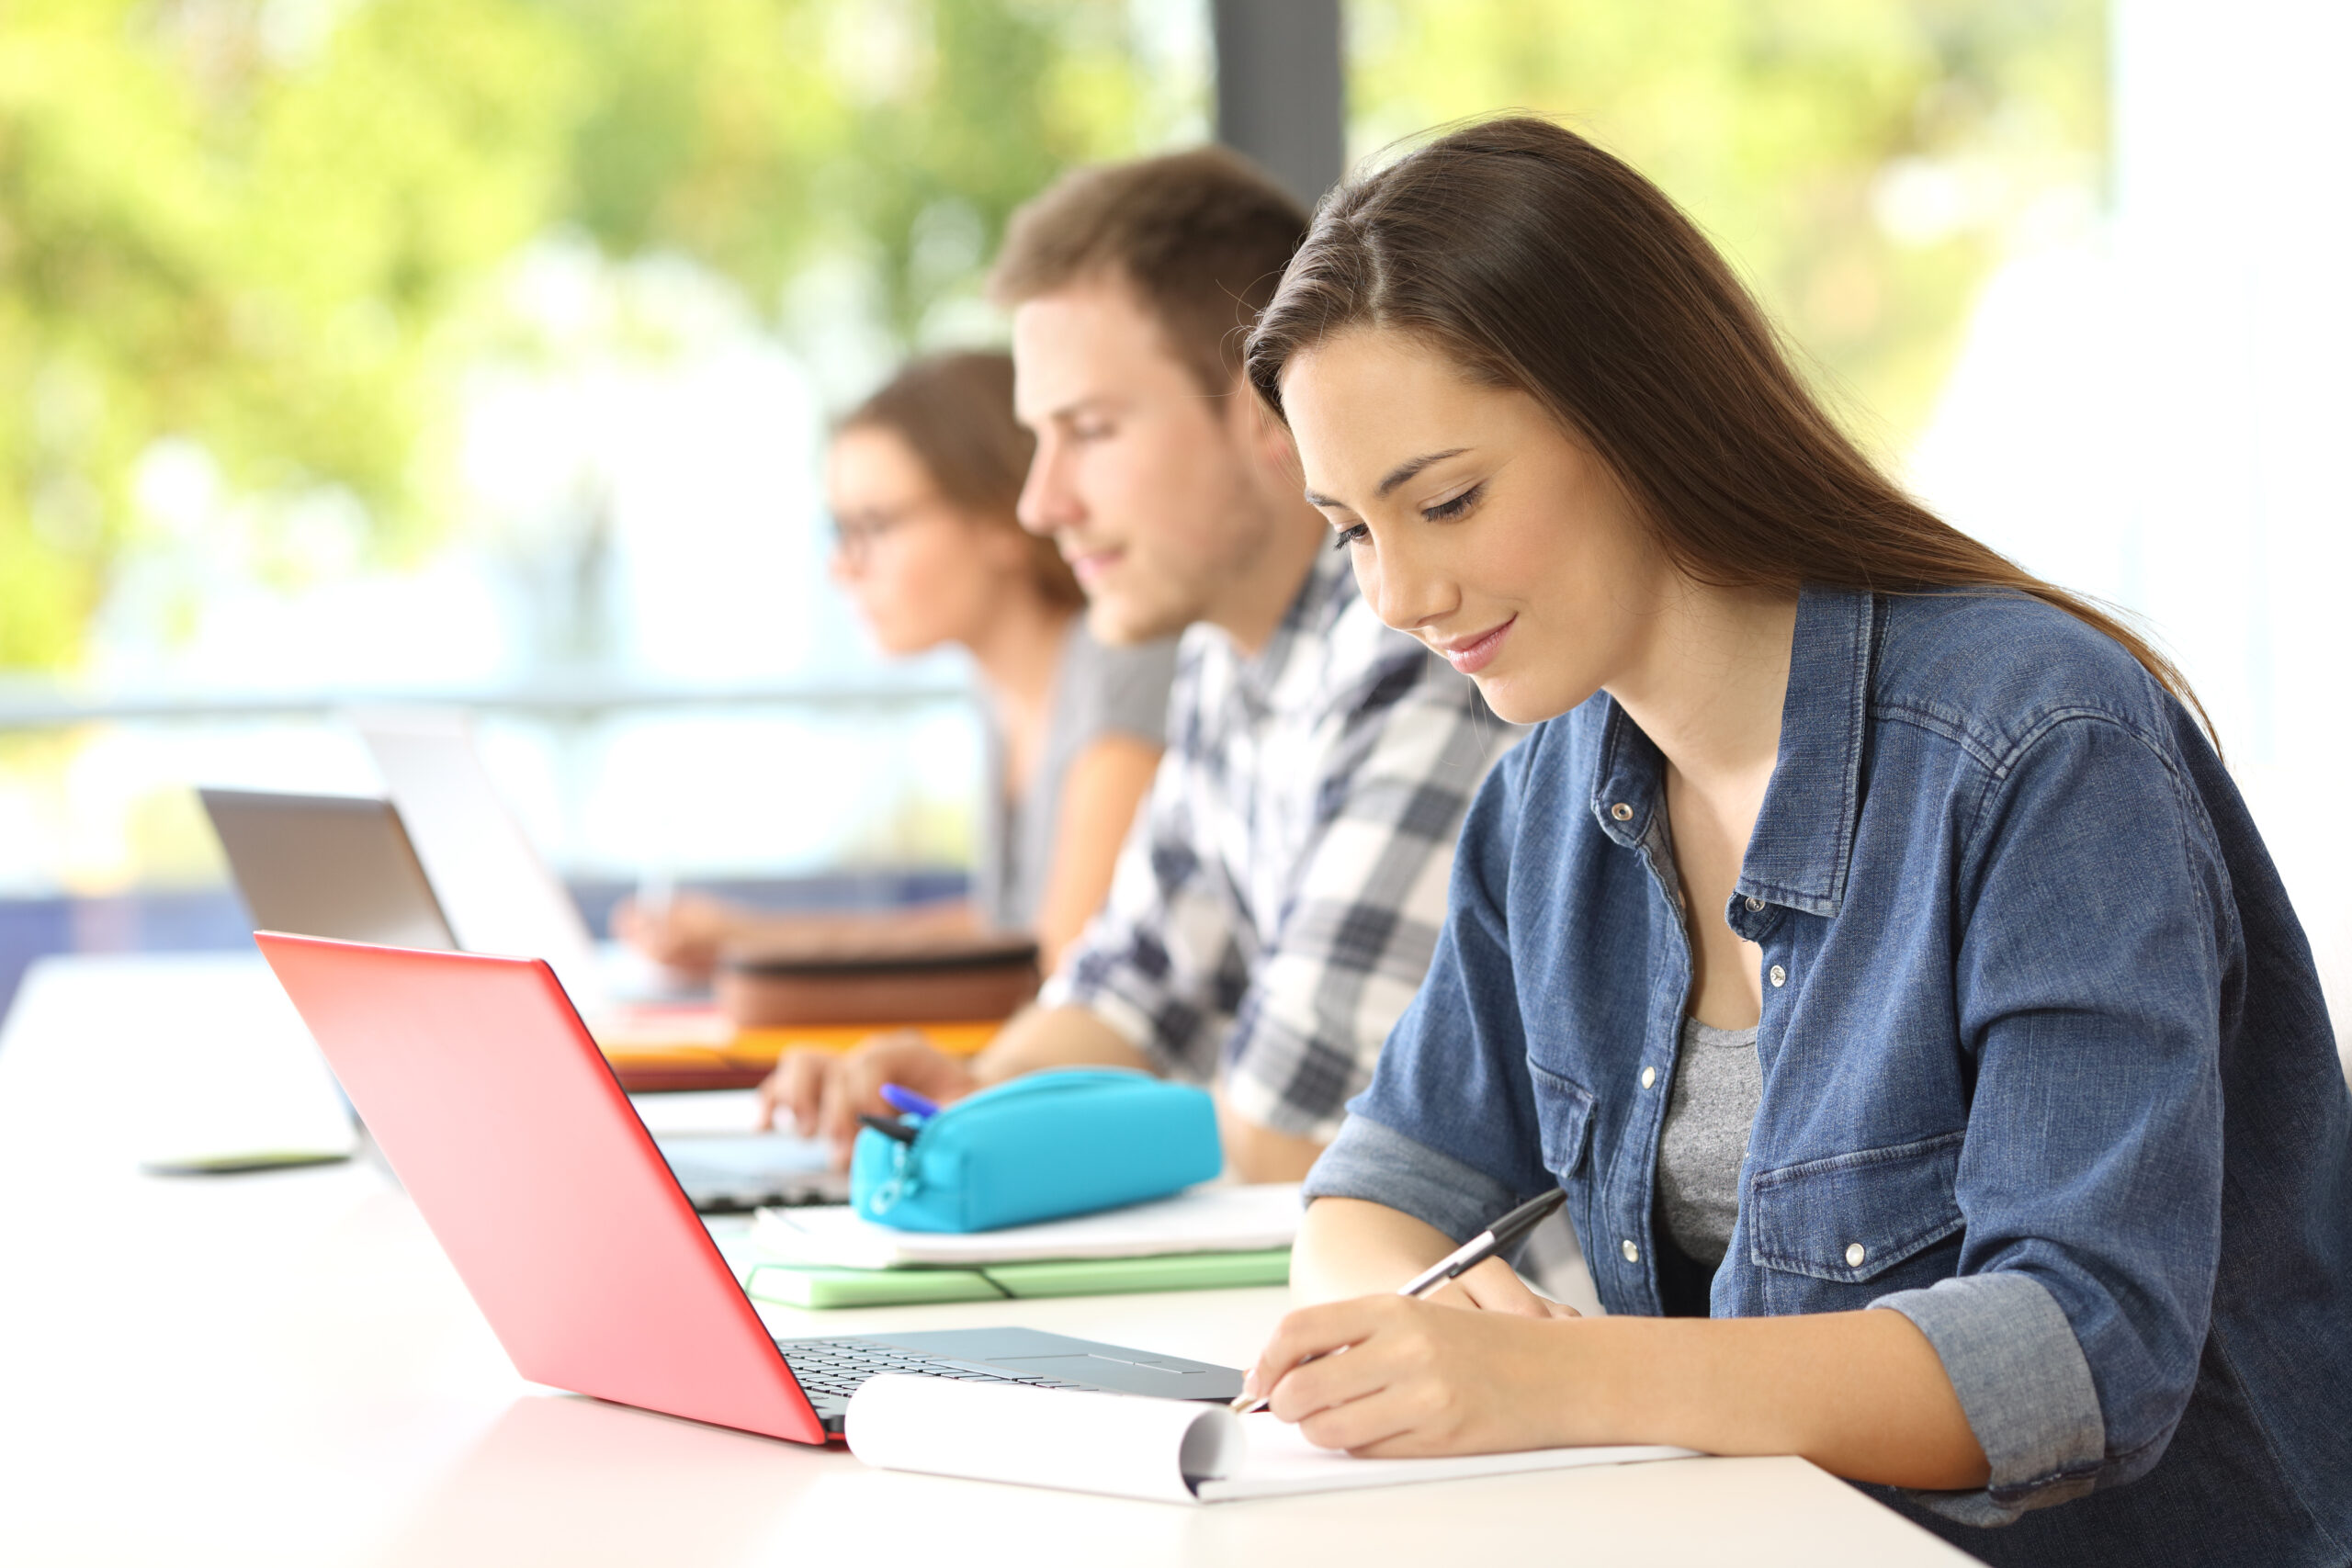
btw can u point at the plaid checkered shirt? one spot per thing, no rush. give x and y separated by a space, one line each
1278 897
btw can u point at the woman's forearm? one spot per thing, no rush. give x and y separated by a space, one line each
1863 1394
1347 1247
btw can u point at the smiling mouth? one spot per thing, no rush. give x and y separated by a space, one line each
1475 654
1092 562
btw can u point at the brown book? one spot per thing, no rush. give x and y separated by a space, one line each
878 978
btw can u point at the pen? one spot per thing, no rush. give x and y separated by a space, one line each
909 1101
896 1130
1503 1233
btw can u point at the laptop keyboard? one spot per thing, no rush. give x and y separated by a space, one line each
830 1370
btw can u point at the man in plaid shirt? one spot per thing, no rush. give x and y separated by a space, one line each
1278 897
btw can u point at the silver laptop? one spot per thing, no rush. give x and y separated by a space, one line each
343 868
499 893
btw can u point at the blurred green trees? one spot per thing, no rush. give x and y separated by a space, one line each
1865 163
245 237
274 228
269 227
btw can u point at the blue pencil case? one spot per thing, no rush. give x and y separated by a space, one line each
1040 1147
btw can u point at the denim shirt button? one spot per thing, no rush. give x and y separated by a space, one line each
1855 1252
1622 812
1633 1254
1780 977
1755 905
1649 1076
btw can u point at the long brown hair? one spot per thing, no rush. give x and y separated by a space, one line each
1538 262
954 412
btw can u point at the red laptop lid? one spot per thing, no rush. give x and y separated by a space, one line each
512 1136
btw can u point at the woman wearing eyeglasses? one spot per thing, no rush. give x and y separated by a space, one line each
922 479
1866 939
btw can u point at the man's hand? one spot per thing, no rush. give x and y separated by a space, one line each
824 1091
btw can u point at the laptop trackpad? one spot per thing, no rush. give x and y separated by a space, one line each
1140 1373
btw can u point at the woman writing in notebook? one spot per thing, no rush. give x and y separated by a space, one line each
921 479
1867 925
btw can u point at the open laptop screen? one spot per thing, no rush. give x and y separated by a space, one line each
501 1119
326 865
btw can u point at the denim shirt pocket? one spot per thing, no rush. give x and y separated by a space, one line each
1868 1219
1562 1119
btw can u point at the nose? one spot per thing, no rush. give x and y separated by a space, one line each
1048 501
1406 589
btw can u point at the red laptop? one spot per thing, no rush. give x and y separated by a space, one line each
499 1115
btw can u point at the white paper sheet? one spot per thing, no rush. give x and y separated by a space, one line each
1279 1460
1160 1450
699 1111
1209 1218
1077 1442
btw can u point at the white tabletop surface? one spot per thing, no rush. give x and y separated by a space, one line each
282 1368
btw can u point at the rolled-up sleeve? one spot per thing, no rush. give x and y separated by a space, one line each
1382 1166
2024 1386
2090 990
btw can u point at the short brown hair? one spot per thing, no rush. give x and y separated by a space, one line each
954 412
1201 236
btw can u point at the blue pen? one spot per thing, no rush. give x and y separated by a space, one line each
908 1102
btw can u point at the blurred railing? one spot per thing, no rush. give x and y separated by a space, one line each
29 706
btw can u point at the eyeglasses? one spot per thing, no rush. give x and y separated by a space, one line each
855 536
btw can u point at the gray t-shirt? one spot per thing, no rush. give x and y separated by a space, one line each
1718 1083
1098 691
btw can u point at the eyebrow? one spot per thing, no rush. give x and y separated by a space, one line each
1396 476
1076 408
1412 465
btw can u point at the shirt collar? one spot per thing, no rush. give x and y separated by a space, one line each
1804 841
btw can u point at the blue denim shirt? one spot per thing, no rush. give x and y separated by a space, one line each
2045 1067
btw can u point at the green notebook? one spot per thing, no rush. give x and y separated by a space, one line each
792 1284
789 1284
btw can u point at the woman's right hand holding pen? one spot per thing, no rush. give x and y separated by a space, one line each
1399 1391
1424 1376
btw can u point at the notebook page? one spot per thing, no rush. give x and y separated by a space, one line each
1164 1450
1277 1460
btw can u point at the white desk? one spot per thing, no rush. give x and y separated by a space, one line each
282 1368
